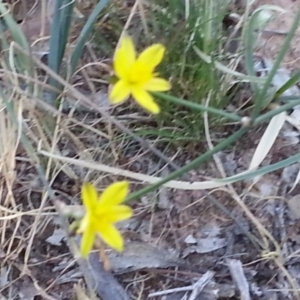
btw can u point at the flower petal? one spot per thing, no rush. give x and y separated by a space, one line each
124 57
157 85
87 241
84 223
89 196
113 195
152 56
111 236
145 100
117 214
119 92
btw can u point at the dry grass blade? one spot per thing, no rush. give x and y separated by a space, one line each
297 180
200 284
197 287
267 140
238 275
182 185
80 294
86 139
19 38
9 141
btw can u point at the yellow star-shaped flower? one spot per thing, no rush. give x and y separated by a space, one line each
102 212
136 75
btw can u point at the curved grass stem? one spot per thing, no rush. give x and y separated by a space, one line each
192 165
198 107
262 94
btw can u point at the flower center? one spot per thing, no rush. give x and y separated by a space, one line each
139 74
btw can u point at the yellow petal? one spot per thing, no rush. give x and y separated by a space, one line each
87 241
119 92
117 214
152 56
124 57
89 196
157 85
139 74
113 195
145 100
111 236
84 222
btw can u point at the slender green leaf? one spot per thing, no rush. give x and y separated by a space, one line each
198 107
192 165
225 69
290 83
270 114
18 37
259 99
256 22
84 34
62 18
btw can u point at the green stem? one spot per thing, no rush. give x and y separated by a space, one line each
285 99
192 165
259 101
274 112
198 107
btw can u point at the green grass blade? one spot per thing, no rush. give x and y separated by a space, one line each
285 99
225 69
249 46
84 34
198 107
290 83
262 171
62 18
255 23
66 20
18 37
59 32
262 94
270 114
192 165
54 42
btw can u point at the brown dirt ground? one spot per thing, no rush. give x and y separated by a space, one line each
166 220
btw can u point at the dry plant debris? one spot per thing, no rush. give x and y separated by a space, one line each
179 245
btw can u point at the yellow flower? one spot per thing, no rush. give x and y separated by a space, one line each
102 211
136 74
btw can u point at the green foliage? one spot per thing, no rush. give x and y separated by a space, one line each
62 20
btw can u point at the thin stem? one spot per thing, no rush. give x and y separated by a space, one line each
192 165
198 107
287 98
274 112
226 211
259 101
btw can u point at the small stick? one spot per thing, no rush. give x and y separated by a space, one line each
238 275
196 287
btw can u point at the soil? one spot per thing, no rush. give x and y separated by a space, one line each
176 236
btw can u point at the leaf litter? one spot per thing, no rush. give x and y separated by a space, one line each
177 232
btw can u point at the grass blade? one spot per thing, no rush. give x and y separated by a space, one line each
267 140
256 22
290 83
259 100
198 107
18 37
192 165
225 69
84 34
60 28
59 32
